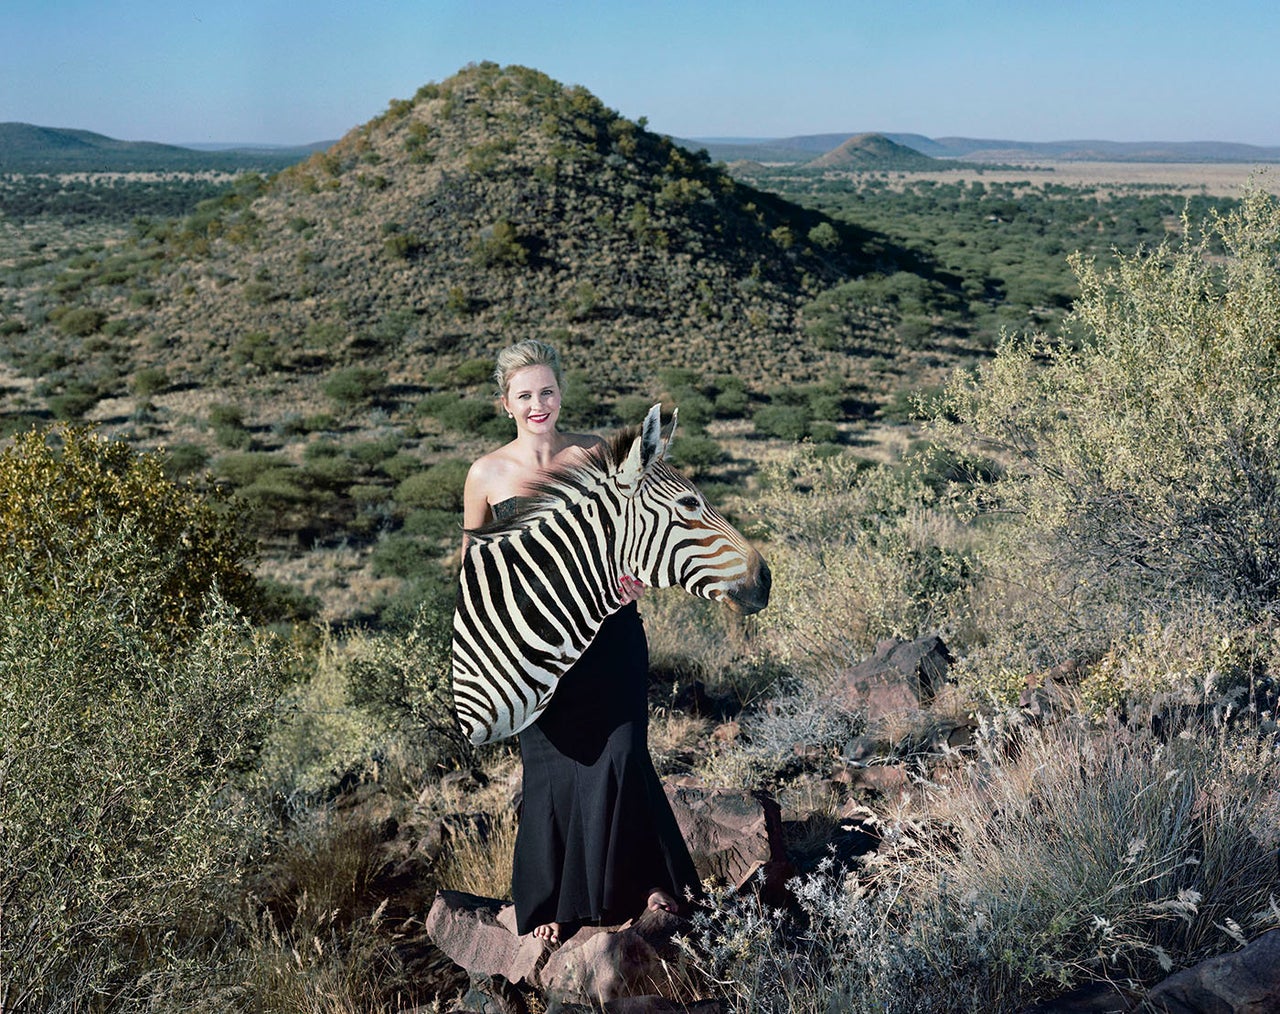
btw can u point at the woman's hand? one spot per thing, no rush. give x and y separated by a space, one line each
630 588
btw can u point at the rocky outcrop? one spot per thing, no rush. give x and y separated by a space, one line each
731 834
594 965
899 678
480 935
735 838
1246 981
1243 982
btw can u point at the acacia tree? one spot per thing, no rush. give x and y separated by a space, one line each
1141 452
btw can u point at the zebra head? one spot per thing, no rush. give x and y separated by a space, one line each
671 536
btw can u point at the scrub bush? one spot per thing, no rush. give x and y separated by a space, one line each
1141 453
82 515
859 554
134 696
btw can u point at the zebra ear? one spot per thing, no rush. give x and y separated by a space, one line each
651 436
645 449
671 433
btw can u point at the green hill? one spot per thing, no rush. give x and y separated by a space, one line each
494 206
25 147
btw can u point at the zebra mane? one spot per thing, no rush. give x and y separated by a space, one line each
562 485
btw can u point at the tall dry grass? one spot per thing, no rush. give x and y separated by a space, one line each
1055 856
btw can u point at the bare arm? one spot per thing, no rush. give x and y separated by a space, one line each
475 499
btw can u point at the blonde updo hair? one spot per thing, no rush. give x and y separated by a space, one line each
522 355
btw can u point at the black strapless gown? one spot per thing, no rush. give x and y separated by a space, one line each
596 831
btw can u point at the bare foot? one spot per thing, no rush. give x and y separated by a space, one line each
661 901
550 932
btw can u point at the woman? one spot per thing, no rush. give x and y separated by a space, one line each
597 842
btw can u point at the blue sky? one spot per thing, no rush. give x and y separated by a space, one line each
270 71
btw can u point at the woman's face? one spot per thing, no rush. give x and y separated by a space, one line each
533 398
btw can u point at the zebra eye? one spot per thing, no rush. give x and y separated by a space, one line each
688 502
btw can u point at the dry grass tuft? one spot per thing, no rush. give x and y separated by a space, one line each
478 858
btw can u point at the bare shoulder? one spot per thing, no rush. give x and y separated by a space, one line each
491 471
496 462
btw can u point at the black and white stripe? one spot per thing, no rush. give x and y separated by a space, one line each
535 589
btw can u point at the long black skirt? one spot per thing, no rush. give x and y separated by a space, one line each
596 834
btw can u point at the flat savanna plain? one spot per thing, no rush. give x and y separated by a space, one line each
1214 179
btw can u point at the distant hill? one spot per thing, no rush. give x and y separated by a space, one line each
782 149
248 147
874 151
805 148
25 147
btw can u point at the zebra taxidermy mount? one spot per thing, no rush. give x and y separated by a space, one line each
536 587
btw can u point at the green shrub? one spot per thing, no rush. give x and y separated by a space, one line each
474 371
228 426
458 302
630 409
284 602
404 246
695 454
133 698
12 423
81 321
71 405
859 554
824 236
461 415
674 377
183 459
258 293
367 494
731 402
325 335
66 489
696 409
280 501
354 385
823 432
498 245
329 473
439 487
402 556
374 452
258 349
243 468
225 415
787 422
400 466
434 525
321 450
579 405
149 380
405 681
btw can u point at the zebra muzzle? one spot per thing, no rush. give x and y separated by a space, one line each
752 593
